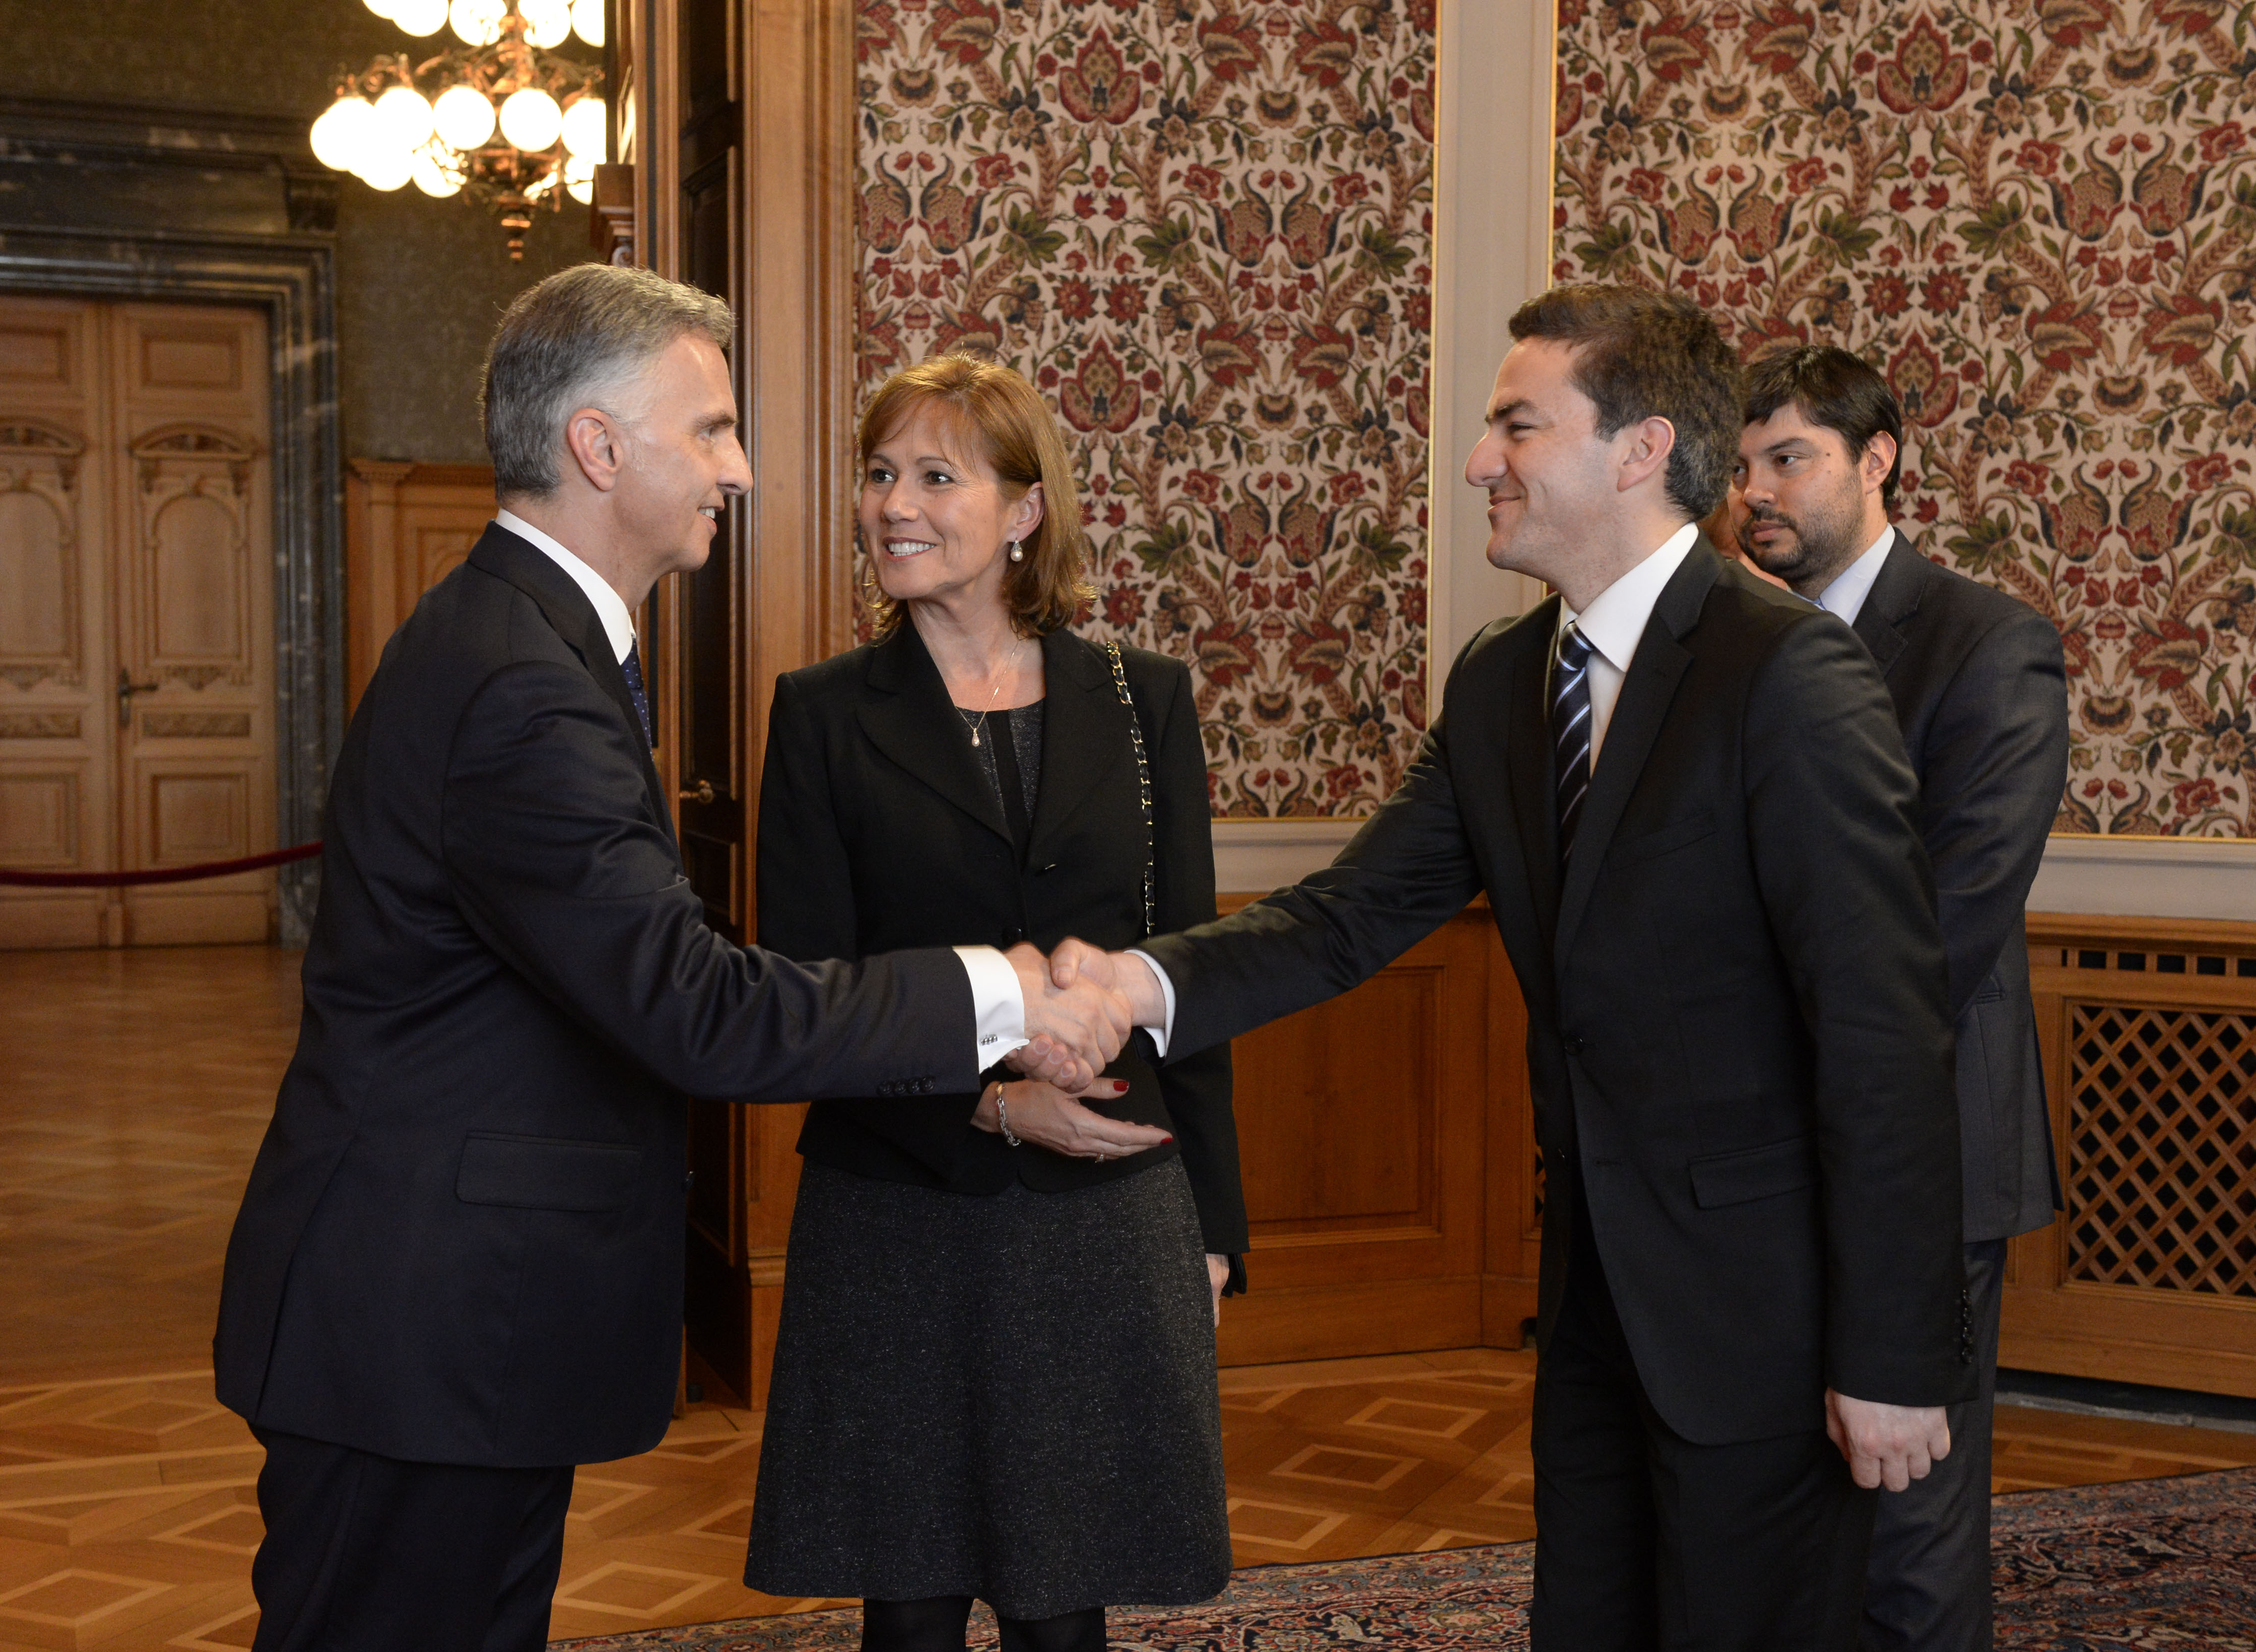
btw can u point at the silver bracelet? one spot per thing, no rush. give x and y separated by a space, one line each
1003 1116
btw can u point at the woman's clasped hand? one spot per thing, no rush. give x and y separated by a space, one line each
1043 1116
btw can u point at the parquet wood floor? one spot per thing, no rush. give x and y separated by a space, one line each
132 1098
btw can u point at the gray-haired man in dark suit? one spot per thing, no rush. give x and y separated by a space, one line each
1980 693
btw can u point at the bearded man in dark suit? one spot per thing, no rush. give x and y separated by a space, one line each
1684 793
457 1270
1981 694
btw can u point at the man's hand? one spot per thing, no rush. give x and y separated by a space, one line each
1076 1028
1889 1446
1124 973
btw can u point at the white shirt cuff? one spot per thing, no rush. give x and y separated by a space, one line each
997 1007
1165 1029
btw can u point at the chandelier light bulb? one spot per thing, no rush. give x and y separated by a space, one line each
385 166
436 175
530 119
580 178
404 118
546 22
418 17
587 20
478 21
587 131
464 117
343 133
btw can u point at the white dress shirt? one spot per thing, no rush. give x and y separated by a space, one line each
610 607
1615 622
998 1007
1612 624
1845 596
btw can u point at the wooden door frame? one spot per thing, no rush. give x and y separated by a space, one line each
793 358
294 286
792 366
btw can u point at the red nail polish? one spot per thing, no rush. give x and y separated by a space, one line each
1170 1141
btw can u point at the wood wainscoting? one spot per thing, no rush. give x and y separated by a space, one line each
1389 1176
1389 1162
407 526
1395 1197
2148 1032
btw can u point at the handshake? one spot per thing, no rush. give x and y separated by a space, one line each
1082 1003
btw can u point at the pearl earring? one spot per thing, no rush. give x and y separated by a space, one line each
1016 555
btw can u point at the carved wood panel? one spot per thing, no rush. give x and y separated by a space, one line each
57 750
38 817
2161 1148
136 668
193 579
2148 1031
407 528
42 635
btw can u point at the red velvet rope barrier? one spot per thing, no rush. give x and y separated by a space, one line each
169 875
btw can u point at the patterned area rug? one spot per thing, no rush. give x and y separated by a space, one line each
2159 1565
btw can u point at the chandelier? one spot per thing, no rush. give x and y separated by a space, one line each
499 117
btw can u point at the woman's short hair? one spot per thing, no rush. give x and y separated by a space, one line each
993 407
1642 355
1834 391
579 339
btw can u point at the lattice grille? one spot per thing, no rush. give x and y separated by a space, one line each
2161 1139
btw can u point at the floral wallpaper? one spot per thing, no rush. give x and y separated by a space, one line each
2038 215
1202 228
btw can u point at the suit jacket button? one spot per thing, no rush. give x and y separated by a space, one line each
689 1180
1573 1045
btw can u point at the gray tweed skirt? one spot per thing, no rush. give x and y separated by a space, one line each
1009 1396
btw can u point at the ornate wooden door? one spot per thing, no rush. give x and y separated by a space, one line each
137 655
743 151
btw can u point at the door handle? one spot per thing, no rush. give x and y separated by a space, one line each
702 793
126 689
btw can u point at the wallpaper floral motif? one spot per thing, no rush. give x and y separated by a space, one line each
2038 214
1202 230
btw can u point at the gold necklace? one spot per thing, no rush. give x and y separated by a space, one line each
977 721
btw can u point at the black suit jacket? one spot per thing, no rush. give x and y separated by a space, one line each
1738 1036
1981 693
462 1238
878 829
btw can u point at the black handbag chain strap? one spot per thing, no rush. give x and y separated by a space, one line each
1143 777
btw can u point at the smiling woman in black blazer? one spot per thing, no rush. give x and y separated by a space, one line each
995 1374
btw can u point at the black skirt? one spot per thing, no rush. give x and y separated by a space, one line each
1008 1396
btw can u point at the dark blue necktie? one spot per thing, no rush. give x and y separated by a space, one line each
1570 730
632 666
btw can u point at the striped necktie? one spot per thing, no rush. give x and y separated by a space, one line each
1570 730
632 666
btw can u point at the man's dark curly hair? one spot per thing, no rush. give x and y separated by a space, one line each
1643 354
1836 391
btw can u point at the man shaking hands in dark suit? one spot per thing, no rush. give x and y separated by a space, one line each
1684 793
1980 692
457 1270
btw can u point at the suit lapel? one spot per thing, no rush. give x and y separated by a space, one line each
1084 732
908 716
1528 760
1647 691
1890 603
503 554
